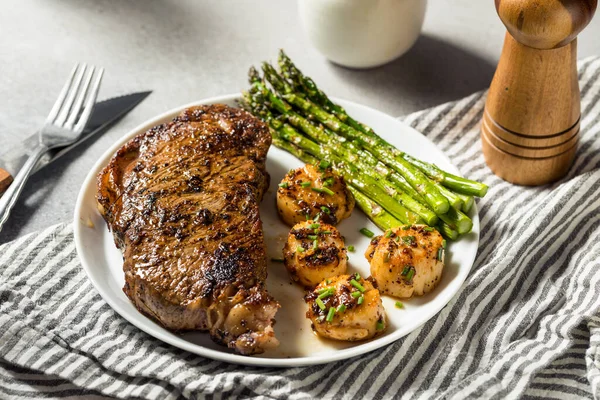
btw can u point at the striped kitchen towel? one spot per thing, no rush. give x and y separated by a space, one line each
525 324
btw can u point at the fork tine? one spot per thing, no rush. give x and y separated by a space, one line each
78 105
61 96
89 103
66 107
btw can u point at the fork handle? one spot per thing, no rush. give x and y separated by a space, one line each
9 198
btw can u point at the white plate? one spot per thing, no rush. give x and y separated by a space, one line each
299 346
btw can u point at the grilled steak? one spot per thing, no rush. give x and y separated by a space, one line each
182 202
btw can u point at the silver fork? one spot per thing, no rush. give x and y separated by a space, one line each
63 127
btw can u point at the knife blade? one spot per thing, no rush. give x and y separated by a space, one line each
105 114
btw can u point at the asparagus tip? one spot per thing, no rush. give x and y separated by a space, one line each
253 75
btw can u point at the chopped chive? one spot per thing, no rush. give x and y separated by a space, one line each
320 304
328 281
326 210
283 185
389 234
307 217
328 292
325 295
305 184
312 237
323 290
314 226
323 190
330 314
428 229
366 232
399 304
328 181
444 243
410 275
406 227
409 240
300 249
341 308
357 276
387 257
379 325
318 217
355 294
405 270
324 164
315 244
278 260
360 300
440 254
350 248
326 232
357 285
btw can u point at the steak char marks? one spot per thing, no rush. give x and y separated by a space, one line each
182 201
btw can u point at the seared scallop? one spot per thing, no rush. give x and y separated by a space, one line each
407 261
314 191
346 307
314 251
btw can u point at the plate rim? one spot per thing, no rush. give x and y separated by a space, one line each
342 354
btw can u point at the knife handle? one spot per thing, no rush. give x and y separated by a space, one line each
5 180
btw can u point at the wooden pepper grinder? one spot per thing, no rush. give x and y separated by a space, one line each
530 127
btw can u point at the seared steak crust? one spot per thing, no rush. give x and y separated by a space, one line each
182 201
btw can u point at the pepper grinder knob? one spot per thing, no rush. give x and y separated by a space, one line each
530 127
545 24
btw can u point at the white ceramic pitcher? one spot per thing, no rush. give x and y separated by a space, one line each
362 33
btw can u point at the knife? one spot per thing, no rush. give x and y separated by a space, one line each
105 113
